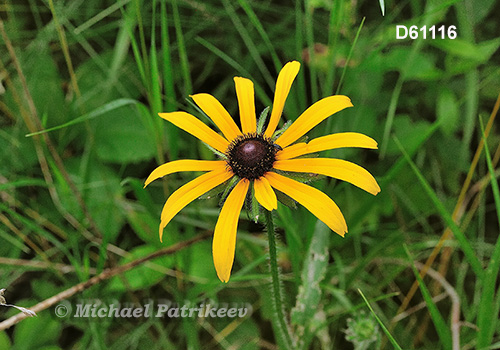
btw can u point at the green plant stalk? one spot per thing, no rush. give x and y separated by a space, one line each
487 316
283 331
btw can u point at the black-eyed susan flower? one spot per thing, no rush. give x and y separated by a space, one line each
260 160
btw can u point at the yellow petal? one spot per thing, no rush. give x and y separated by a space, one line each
295 150
195 127
246 103
184 165
225 230
265 194
336 168
333 141
219 115
189 192
283 85
314 200
312 117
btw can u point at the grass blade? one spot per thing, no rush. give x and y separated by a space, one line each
381 324
487 316
459 235
91 115
186 73
441 327
350 55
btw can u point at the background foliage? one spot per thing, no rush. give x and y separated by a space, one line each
72 201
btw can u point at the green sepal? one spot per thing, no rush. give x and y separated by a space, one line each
216 190
253 206
278 132
262 120
198 109
285 199
300 177
303 139
229 185
218 153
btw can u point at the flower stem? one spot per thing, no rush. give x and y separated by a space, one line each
280 323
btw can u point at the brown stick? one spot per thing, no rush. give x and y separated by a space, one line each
106 274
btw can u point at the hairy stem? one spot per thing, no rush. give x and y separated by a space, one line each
280 323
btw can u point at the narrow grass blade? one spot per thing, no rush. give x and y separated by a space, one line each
442 328
459 235
168 83
350 55
129 24
381 324
333 36
308 27
168 77
247 39
186 73
487 315
91 115
259 92
254 19
155 97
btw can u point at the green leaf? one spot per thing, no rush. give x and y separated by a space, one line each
142 276
423 67
477 52
200 264
45 85
447 112
102 193
17 153
4 341
30 334
121 137
409 132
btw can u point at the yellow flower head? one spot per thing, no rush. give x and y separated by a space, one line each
253 158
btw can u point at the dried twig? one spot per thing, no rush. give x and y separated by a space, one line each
36 264
3 302
106 274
